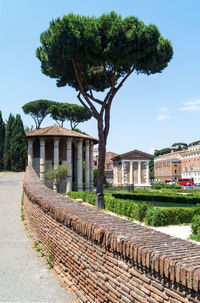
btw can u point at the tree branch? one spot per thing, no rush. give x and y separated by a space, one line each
107 75
92 108
124 79
95 99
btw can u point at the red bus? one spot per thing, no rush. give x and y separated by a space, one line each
186 181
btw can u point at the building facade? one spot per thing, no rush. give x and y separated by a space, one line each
131 168
190 163
54 145
168 166
108 164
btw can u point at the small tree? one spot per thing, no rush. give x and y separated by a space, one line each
18 146
38 110
73 113
2 140
99 54
57 174
8 137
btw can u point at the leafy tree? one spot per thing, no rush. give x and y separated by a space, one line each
18 146
2 140
38 110
80 131
151 168
162 151
98 54
8 137
73 113
57 174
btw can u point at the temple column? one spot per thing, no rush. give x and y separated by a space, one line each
139 173
91 166
87 165
30 152
131 172
42 159
69 164
123 171
147 172
56 157
80 165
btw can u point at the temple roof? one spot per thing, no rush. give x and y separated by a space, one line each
133 155
58 131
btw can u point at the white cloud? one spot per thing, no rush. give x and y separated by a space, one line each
190 108
194 102
163 117
163 109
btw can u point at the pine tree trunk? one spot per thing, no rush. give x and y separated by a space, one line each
101 165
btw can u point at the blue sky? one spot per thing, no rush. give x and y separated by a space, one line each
149 111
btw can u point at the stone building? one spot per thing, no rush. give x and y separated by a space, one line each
55 145
131 168
168 166
190 162
108 163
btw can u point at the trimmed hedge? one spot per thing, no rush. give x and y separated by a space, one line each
161 216
153 197
132 210
141 211
169 186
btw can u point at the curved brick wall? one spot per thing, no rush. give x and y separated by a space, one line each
107 259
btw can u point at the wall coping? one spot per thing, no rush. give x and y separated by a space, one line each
171 258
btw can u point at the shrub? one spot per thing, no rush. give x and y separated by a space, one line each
57 174
196 225
158 197
157 216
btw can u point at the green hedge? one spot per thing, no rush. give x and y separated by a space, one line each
157 216
168 186
141 211
132 210
85 196
196 226
154 197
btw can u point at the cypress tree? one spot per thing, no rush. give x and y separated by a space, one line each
18 146
8 136
2 139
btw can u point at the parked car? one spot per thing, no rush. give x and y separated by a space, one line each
169 181
186 182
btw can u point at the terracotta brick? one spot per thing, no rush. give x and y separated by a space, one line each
106 259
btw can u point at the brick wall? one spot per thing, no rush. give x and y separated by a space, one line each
107 259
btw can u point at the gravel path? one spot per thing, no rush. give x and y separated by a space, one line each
23 276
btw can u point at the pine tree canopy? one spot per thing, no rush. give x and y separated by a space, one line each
73 113
38 110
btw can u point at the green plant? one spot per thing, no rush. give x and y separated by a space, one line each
18 146
22 207
196 225
162 216
37 247
2 141
57 174
49 257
